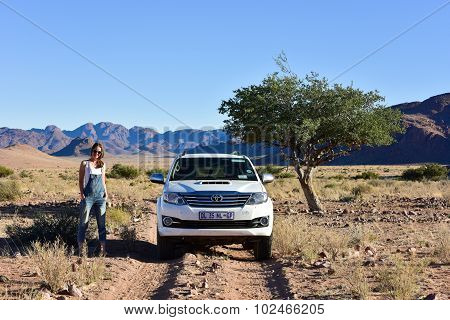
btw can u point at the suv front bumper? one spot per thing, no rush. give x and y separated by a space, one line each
241 214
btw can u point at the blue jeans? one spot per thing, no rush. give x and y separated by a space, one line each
98 204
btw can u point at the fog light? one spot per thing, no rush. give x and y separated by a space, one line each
167 221
264 221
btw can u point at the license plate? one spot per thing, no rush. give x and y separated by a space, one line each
216 215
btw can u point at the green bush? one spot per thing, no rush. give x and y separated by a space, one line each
368 175
25 174
277 171
5 172
117 217
9 191
47 228
432 171
119 171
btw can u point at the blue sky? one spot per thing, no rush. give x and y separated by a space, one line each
187 56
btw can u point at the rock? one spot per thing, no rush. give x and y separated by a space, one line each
369 250
4 279
205 284
215 266
331 271
346 211
198 263
411 250
370 262
61 298
74 291
431 296
323 255
322 264
45 295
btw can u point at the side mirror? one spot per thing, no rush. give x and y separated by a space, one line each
267 178
157 178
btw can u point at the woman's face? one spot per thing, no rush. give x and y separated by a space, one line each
97 153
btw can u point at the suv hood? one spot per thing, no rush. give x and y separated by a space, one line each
189 186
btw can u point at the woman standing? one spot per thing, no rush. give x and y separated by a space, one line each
93 195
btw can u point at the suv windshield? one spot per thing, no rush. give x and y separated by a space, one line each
213 169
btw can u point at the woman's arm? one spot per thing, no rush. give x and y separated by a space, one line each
81 179
104 180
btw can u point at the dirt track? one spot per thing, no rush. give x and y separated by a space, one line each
230 272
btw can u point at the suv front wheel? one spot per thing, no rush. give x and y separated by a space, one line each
263 248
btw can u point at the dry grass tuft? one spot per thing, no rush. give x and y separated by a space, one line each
116 217
356 281
400 279
360 236
52 263
442 244
295 235
89 271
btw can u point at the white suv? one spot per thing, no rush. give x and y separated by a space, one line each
214 199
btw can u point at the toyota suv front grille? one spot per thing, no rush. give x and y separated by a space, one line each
216 200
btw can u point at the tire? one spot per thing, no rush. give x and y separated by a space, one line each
248 245
165 248
263 248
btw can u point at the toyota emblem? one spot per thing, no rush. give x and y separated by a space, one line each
216 198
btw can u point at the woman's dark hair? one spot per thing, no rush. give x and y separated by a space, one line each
99 161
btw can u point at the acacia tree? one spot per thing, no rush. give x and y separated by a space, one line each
314 121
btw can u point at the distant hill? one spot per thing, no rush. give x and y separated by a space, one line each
426 139
25 156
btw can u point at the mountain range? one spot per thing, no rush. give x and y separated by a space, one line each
426 139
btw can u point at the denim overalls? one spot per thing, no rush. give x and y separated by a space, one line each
94 199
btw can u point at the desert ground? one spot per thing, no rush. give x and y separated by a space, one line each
381 238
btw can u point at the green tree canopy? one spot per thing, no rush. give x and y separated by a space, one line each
312 119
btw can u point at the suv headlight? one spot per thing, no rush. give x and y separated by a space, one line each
173 198
257 198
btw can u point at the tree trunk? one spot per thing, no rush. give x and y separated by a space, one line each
311 197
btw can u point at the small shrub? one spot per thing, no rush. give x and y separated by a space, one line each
338 177
25 174
119 171
47 228
432 172
116 217
442 244
360 236
52 263
347 199
333 242
89 271
361 189
330 186
368 175
5 172
285 175
68 177
9 191
277 171
357 282
401 279
294 236
128 235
